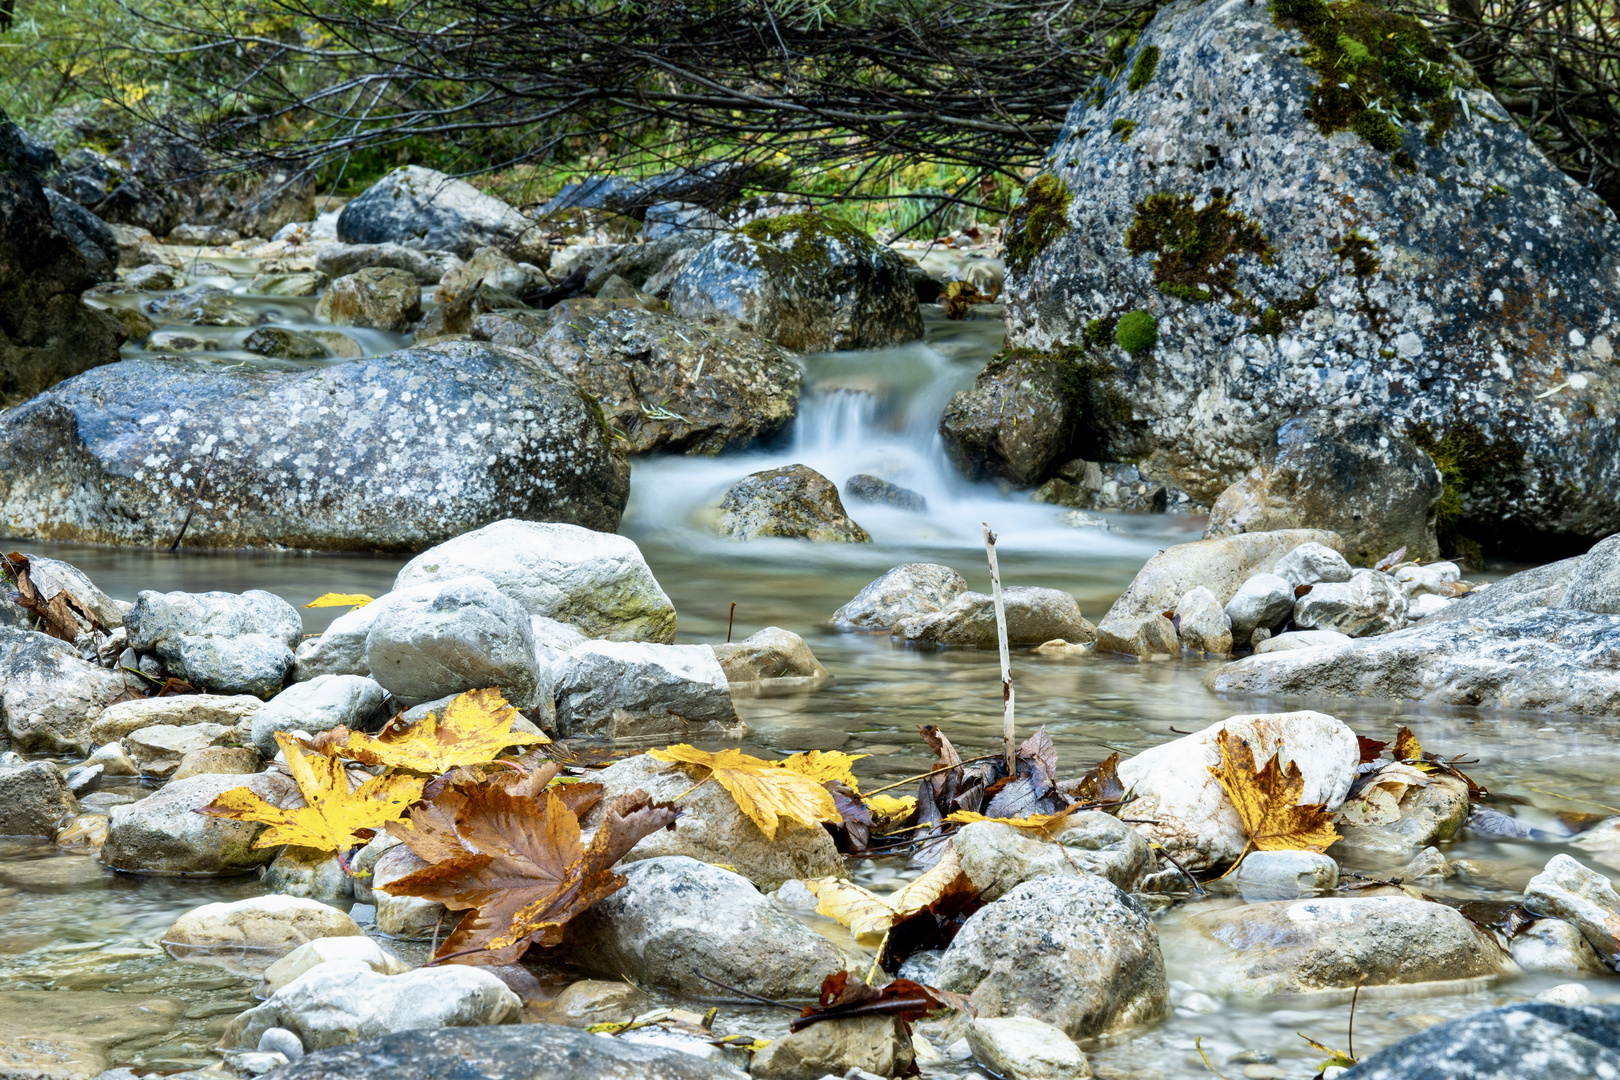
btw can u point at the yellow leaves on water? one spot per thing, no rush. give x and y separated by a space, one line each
763 790
475 728
869 915
887 809
824 765
1267 800
333 818
1045 824
338 599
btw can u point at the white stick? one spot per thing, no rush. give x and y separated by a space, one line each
1006 662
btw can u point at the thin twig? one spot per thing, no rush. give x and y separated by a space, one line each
746 994
731 619
1197 888
1006 661
186 524
1351 1033
931 772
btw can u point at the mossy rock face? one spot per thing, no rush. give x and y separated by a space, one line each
804 281
794 501
1391 250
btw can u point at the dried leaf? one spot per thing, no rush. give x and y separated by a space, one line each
868 915
1389 561
1045 824
824 766
763 790
1377 802
476 727
853 834
518 865
1371 749
1267 800
958 296
1039 755
844 995
338 599
65 616
889 810
1334 1057
1407 747
334 817
1102 785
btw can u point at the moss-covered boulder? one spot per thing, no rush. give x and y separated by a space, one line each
794 501
805 281
1327 218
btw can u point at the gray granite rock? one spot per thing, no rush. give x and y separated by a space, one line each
163 833
1264 602
793 501
1312 564
907 591
1369 603
636 689
339 260
1582 897
427 210
318 705
226 643
1531 1041
34 799
1034 616
49 697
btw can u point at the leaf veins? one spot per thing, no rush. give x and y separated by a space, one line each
1268 800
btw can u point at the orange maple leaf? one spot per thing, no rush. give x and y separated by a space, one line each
1267 800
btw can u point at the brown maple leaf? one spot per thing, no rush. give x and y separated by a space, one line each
1267 800
517 865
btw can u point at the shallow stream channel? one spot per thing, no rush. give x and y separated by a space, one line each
84 979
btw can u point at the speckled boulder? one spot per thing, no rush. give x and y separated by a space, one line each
803 281
390 453
1441 278
1528 1041
377 297
792 501
425 209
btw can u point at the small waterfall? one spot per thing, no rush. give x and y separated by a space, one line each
833 420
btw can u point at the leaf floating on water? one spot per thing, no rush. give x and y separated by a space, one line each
1267 800
338 599
763 790
822 766
335 818
475 728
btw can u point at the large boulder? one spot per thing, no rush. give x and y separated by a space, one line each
674 387
805 282
597 582
163 833
1242 184
635 689
46 332
793 501
34 799
1544 660
427 210
1339 942
227 643
389 453
49 697
676 916
1369 484
1528 1041
908 591
1072 951
1033 616
92 236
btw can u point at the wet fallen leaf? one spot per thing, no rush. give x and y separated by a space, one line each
822 766
1102 784
891 810
338 599
958 296
476 727
1267 800
1407 748
517 864
763 790
1371 749
868 914
1045 824
844 995
1377 802
334 818
1334 1057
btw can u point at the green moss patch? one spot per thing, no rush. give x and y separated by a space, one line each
1194 248
1040 217
1466 456
1137 331
1147 62
1123 128
809 232
1380 71
1100 331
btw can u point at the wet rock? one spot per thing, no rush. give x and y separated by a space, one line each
1019 419
676 914
228 643
112 760
34 800
998 857
1285 875
154 277
178 341
427 210
1221 565
711 829
49 697
635 264
281 344
340 260
1312 564
1034 616
772 655
163 833
1432 811
1023 1048
49 333
682 219
334 1004
1194 819
907 591
408 917
1554 947
1074 952
1595 584
1147 635
878 1044
595 1001
1526 591
870 489
795 501
137 327
1301 639
1364 481
148 252
250 935
158 750
633 689
595 581
378 298
95 242
1264 602
202 305
1544 660
1335 943
1369 603
353 948
492 270
85 461
673 387
524 1052
1528 1041
803 281
1202 624
1205 399
85 1027
203 235
318 705
309 873
179 710
449 636
1585 899
225 760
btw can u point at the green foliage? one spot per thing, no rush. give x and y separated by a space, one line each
1355 53
1378 129
1194 247
1147 62
1037 221
1137 331
1100 331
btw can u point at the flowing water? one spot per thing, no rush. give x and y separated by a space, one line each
72 927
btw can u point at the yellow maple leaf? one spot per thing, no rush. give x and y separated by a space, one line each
1267 800
1045 824
338 599
763 790
476 726
333 818
1409 750
889 808
822 766
870 915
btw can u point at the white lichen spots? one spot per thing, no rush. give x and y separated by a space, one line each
1409 345
1497 298
1577 339
1577 381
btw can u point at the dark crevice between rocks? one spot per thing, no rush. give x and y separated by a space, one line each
1469 458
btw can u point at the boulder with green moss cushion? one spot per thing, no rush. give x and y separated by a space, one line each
804 281
1396 254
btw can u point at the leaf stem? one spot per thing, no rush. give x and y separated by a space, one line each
931 772
745 993
693 788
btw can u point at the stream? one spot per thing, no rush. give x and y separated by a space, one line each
72 927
